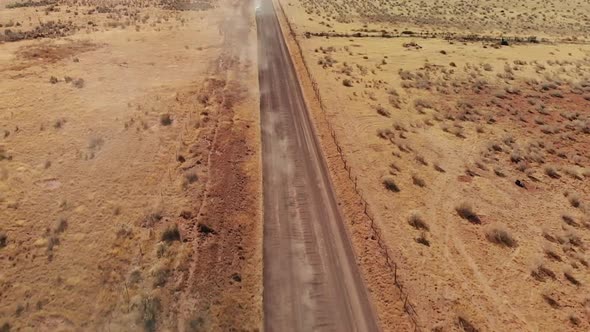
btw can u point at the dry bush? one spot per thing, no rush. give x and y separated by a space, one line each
3 239
382 111
78 83
574 173
499 235
165 119
385 133
423 239
466 326
152 218
541 273
415 220
569 220
171 234
418 181
574 320
498 171
190 177
149 309
421 160
551 301
439 168
466 212
551 254
551 172
570 277
574 200
389 184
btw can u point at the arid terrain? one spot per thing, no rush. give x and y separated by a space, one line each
431 172
130 185
465 127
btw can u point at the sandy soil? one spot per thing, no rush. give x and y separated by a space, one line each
473 159
130 187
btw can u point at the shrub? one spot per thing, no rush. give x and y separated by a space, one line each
550 253
171 234
574 200
466 212
499 172
191 177
552 172
78 83
416 221
418 181
152 218
165 119
466 325
53 80
541 273
569 220
552 302
150 308
422 239
439 168
347 82
382 111
499 235
3 239
420 159
205 229
569 276
389 184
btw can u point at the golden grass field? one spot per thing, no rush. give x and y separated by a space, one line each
129 166
473 154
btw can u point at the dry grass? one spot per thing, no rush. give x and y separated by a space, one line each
499 235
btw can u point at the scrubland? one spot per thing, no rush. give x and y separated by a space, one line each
129 166
466 126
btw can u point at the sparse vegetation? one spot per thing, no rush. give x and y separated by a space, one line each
3 240
165 119
542 273
570 277
150 308
465 211
415 220
389 183
499 235
552 172
423 239
418 181
171 234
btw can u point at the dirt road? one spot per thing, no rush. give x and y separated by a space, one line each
311 279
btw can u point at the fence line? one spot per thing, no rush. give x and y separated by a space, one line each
390 262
